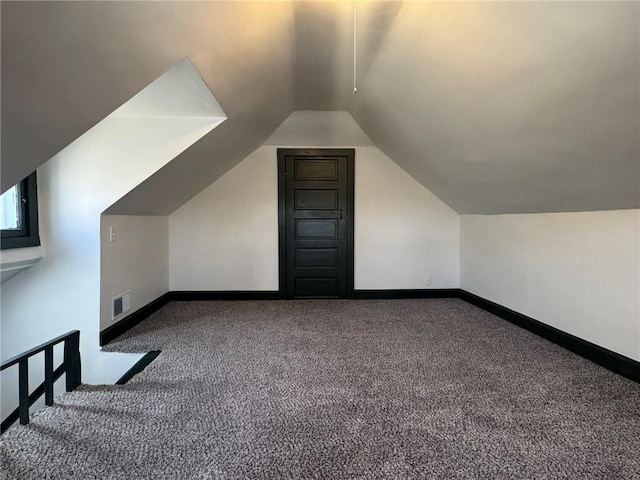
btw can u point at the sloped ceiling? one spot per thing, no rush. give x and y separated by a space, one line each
496 107
511 107
67 65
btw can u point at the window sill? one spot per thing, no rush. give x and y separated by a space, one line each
16 260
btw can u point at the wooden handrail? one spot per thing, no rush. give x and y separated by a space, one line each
71 365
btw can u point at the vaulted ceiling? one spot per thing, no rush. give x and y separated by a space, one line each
496 107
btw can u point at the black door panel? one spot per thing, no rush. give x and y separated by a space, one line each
316 237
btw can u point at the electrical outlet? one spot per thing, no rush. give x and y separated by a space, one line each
427 279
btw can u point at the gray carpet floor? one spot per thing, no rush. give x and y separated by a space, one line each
316 389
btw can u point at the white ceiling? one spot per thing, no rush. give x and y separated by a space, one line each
496 107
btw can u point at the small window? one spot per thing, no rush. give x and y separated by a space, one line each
19 215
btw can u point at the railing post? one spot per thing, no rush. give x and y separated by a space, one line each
48 376
72 361
23 391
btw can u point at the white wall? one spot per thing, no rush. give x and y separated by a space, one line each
402 231
137 260
305 128
226 238
62 291
578 272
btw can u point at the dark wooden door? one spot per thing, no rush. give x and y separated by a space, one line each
316 201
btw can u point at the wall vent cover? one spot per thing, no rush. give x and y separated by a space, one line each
117 306
121 304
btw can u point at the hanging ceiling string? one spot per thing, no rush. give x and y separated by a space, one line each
355 42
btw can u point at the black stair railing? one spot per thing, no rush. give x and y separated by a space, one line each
70 365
